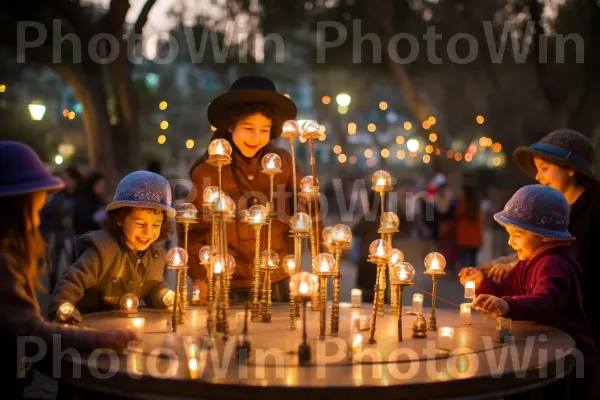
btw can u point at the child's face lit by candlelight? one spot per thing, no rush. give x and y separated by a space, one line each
251 134
523 242
38 201
552 175
141 228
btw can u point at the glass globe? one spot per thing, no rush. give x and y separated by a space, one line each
435 263
219 147
243 216
129 302
271 162
307 185
206 254
380 248
226 205
187 211
289 264
310 130
390 220
64 311
290 129
325 264
381 180
231 264
219 263
257 215
402 272
177 257
303 285
341 234
327 236
301 222
396 256
211 194
269 258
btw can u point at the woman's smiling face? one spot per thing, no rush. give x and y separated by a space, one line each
252 133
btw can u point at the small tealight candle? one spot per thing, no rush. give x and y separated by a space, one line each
445 338
465 313
503 329
417 304
357 340
355 298
469 289
137 326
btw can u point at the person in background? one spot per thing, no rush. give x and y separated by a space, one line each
123 258
545 285
444 212
89 210
57 224
24 184
469 219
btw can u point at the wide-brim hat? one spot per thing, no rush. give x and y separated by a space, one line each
22 171
538 209
250 90
143 189
566 148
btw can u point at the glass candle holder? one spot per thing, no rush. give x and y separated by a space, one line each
307 185
289 264
137 326
129 303
503 329
465 313
211 195
196 295
177 257
301 223
303 285
310 130
290 129
381 181
417 303
380 248
243 216
65 311
341 234
445 338
269 259
435 263
389 220
469 289
205 254
219 147
226 205
325 264
402 273
396 256
327 241
187 211
355 298
271 162
257 215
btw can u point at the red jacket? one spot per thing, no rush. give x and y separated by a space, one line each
546 289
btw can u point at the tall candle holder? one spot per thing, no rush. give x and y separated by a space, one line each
309 190
435 263
206 255
176 261
289 265
327 241
210 199
187 214
301 228
302 286
325 267
257 217
381 182
222 214
269 262
401 275
310 131
341 238
290 131
379 254
396 256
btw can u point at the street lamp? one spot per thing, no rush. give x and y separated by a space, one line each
36 111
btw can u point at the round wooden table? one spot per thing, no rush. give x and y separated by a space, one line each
476 366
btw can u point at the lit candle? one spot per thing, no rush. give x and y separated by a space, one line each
218 267
324 266
303 288
469 289
445 337
128 304
176 260
355 298
465 313
403 275
503 329
137 326
381 182
196 296
193 367
380 249
271 164
435 264
134 362
357 340
417 304
220 149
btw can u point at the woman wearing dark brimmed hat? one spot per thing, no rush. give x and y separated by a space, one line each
564 160
250 116
24 183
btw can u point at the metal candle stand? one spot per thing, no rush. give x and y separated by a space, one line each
338 247
380 262
400 291
311 196
294 304
187 214
434 266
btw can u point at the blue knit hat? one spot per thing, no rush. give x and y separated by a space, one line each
22 171
143 189
538 209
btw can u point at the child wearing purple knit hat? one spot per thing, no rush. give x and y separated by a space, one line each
544 285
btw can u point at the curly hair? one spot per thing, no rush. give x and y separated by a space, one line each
111 224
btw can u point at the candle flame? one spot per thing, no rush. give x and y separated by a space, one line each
470 284
435 264
176 259
220 149
271 164
129 303
446 331
380 249
381 182
466 307
324 266
218 267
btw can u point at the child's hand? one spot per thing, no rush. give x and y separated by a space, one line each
491 304
470 274
116 339
499 271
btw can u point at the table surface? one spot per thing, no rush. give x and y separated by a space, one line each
476 366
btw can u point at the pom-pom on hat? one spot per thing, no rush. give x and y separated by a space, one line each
143 189
538 209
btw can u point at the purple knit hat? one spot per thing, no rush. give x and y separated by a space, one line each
538 209
143 189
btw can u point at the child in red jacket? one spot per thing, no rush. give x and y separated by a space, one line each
544 286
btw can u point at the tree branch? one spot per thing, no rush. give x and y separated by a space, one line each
535 12
143 17
114 20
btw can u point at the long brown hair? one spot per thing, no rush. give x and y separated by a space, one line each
19 235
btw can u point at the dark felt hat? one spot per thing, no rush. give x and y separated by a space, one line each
566 148
22 171
250 90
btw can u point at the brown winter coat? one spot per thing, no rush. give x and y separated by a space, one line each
241 237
